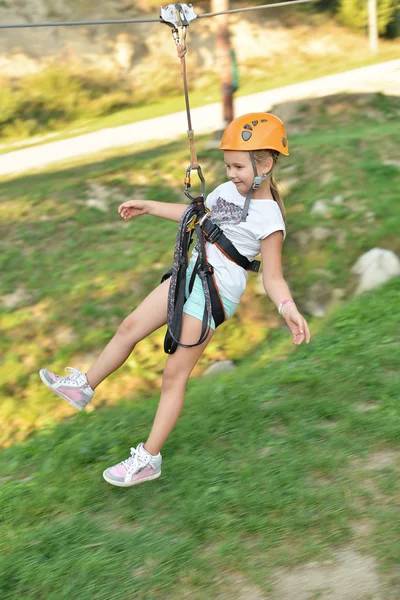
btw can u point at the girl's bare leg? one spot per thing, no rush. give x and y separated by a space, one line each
149 316
176 374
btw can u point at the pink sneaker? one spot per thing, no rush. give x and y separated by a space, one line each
139 467
74 388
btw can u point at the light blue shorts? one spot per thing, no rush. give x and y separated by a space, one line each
194 306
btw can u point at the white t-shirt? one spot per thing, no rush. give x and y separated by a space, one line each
226 206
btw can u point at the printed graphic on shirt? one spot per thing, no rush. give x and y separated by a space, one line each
225 213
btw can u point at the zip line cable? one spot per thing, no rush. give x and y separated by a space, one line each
237 10
144 20
78 23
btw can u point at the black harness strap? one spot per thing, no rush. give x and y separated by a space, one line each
217 306
206 231
215 235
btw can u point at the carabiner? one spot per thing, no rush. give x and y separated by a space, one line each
188 183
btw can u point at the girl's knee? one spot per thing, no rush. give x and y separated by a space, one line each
174 376
128 326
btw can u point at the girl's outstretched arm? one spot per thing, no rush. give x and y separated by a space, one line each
277 288
164 210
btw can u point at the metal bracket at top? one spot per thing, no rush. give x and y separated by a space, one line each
177 15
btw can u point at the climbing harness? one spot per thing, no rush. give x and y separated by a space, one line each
196 220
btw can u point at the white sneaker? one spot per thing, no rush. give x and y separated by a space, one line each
139 467
74 388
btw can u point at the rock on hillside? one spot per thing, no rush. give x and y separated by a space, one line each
375 268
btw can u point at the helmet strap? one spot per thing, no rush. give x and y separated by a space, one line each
258 179
245 211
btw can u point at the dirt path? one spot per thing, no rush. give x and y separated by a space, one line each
382 77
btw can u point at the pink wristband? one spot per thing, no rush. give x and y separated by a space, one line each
282 304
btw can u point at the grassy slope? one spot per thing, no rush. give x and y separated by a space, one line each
52 240
270 471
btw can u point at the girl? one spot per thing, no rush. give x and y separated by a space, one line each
250 212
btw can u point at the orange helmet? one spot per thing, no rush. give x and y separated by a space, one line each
255 131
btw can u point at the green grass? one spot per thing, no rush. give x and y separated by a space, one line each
269 466
268 472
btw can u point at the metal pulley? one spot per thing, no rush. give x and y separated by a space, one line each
177 15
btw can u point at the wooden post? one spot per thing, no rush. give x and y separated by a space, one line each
224 60
372 26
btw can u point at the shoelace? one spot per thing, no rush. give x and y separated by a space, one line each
134 461
74 374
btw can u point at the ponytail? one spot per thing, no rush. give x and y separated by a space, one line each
277 196
261 156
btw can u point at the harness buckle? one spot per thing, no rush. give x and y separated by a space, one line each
213 234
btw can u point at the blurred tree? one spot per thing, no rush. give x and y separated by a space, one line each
354 13
224 58
393 29
331 5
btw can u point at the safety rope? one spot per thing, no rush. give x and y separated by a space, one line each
146 20
180 41
178 17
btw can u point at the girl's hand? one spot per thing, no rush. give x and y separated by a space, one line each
132 208
296 323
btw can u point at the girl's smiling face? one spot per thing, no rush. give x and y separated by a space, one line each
239 170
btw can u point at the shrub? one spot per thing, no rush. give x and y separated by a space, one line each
354 13
57 96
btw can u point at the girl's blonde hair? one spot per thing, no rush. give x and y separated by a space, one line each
261 156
